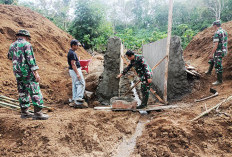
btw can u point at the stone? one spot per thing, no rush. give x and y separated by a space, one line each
89 95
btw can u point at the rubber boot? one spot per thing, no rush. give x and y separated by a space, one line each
38 114
219 79
141 106
25 113
210 69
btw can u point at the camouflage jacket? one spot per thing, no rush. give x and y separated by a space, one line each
22 56
142 68
221 37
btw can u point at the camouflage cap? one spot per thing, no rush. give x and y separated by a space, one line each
217 23
23 32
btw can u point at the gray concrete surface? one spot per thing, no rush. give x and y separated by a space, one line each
177 77
108 84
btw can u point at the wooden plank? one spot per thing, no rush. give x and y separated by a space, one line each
102 108
159 63
168 47
155 108
157 96
131 88
150 108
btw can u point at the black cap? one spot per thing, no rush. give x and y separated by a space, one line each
75 42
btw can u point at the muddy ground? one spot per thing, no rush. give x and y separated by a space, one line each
88 133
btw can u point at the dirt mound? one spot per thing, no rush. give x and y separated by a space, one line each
177 136
198 50
50 45
196 54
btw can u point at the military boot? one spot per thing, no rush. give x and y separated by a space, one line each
219 79
141 106
38 114
25 113
210 69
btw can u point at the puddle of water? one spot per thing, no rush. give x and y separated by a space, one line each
127 146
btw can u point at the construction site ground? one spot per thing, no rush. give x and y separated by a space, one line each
88 132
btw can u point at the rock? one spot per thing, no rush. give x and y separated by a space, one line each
95 103
91 86
89 95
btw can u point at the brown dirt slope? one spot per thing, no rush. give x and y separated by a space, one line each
196 54
50 45
199 48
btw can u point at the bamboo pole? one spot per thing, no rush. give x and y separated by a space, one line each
5 97
16 102
10 105
168 47
9 101
209 110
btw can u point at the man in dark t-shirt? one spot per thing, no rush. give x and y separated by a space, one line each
78 81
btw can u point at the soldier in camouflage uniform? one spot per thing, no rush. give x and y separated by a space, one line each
144 72
220 39
27 77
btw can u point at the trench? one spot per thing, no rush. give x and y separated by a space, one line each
126 148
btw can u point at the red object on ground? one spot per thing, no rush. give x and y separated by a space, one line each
85 65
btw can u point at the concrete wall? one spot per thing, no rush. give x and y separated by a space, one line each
108 84
177 77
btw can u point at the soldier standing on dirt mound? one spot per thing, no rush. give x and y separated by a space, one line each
220 39
144 72
78 81
27 77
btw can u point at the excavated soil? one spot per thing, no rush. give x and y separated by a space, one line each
171 133
87 132
50 45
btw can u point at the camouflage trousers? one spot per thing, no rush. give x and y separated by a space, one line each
145 89
29 89
216 61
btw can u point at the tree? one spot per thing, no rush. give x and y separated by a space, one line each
8 1
216 6
89 23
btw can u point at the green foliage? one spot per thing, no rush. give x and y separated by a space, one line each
90 25
136 22
8 2
185 33
134 39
